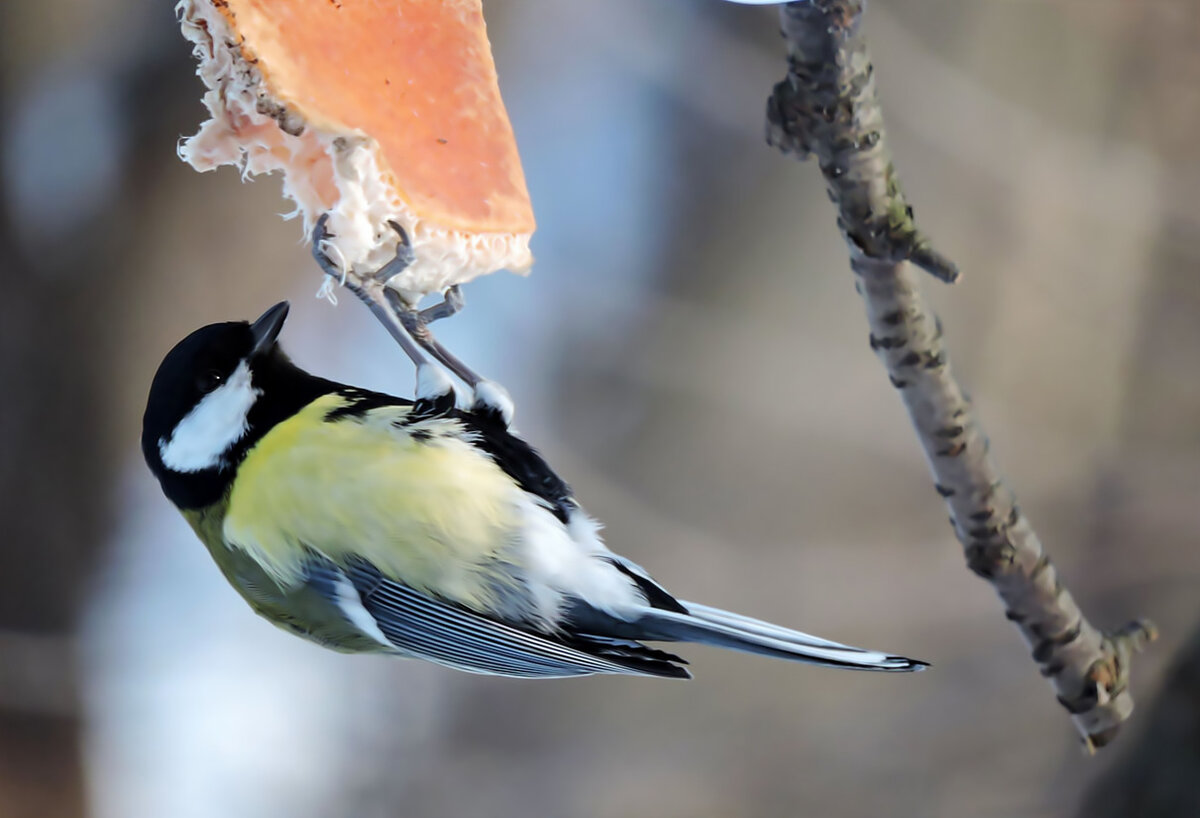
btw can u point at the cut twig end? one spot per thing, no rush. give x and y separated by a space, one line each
1134 636
1119 647
1123 643
1109 681
934 263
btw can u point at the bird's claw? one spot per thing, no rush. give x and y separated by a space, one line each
398 264
489 397
320 234
451 304
401 261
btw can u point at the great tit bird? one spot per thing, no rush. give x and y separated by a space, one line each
376 524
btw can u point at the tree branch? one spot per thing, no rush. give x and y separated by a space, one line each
827 107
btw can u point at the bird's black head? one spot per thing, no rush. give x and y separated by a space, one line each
214 395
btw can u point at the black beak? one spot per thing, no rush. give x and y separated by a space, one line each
266 329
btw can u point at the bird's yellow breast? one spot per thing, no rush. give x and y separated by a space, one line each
431 511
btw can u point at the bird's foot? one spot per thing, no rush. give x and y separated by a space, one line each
398 264
435 390
490 398
401 261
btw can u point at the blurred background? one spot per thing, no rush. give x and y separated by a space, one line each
1049 148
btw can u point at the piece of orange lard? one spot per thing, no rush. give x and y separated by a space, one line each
373 111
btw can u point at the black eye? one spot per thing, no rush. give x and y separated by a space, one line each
209 380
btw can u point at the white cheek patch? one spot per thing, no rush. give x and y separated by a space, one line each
201 439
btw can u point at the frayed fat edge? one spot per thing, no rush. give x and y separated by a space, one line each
238 134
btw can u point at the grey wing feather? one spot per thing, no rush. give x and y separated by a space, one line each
431 629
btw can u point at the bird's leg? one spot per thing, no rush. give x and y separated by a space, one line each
489 396
417 324
434 387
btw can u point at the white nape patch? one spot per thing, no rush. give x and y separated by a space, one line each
218 421
571 560
491 395
350 604
432 382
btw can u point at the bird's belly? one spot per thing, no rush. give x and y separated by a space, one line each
433 513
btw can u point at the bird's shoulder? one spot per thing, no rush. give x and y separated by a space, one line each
521 462
484 431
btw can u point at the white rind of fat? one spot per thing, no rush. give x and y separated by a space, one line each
326 171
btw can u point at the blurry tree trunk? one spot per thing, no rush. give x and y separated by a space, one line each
51 496
40 768
62 299
58 371
52 499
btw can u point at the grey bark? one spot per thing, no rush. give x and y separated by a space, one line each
827 108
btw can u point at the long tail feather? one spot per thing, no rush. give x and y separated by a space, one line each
706 625
751 625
